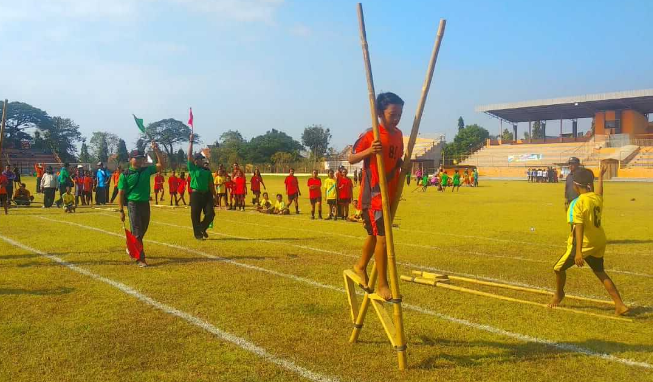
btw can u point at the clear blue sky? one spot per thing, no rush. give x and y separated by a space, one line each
254 65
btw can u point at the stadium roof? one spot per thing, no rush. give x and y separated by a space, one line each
571 107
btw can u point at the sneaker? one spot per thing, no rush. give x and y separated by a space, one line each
199 237
329 218
142 264
205 235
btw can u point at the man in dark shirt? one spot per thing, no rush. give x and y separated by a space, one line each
570 194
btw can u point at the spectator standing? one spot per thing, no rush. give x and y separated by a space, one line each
38 168
102 185
570 192
64 182
49 184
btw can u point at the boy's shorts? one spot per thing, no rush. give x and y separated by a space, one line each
172 192
345 201
158 189
292 197
331 202
373 222
222 194
594 259
3 198
315 200
256 192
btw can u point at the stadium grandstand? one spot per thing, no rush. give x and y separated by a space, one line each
621 132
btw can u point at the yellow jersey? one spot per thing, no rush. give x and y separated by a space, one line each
264 202
279 205
68 199
587 210
330 188
219 184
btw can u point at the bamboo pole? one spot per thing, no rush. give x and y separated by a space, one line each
2 127
512 287
511 299
406 167
400 339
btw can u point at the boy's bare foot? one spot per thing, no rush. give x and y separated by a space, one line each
384 292
556 300
362 273
621 310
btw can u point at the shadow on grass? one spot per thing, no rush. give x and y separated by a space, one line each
510 353
18 257
36 292
630 241
222 238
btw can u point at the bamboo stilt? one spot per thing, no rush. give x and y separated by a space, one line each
400 339
511 299
389 207
2 127
514 287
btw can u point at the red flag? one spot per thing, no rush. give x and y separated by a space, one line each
190 119
134 247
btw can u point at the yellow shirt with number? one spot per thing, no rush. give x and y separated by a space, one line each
587 210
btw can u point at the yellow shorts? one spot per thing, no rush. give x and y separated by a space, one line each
593 258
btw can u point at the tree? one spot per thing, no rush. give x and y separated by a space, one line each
527 136
507 135
21 116
261 148
537 130
141 144
169 133
61 136
122 153
231 148
281 159
316 138
84 156
103 145
461 123
180 157
467 140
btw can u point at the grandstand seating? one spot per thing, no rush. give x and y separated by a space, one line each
551 153
643 159
26 159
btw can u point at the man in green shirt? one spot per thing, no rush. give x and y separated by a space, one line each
203 195
134 189
64 181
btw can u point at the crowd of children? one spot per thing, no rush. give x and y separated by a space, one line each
441 180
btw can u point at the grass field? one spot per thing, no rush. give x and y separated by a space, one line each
263 298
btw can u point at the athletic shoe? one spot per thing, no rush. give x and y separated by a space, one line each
205 235
142 264
199 237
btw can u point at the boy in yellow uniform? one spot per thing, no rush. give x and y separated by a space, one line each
280 207
331 194
587 241
68 201
220 189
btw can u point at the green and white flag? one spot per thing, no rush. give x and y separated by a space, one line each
139 123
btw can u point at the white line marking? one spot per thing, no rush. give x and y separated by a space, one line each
487 328
221 334
407 264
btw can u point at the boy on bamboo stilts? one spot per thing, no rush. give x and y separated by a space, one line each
587 241
391 146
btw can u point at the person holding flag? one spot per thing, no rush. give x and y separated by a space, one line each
203 193
134 191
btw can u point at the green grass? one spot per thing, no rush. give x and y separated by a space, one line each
282 290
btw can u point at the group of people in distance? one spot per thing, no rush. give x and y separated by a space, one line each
232 189
542 175
442 180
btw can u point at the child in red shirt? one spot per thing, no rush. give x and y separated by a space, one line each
391 147
173 183
315 194
181 188
345 191
240 189
158 187
3 192
292 189
255 185
88 189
